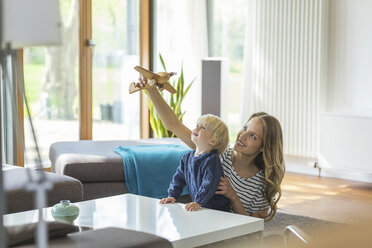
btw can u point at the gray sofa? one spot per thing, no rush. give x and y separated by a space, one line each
18 198
109 238
64 235
96 165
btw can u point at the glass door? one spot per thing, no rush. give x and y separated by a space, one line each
52 87
115 25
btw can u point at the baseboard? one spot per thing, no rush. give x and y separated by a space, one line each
347 174
301 165
306 166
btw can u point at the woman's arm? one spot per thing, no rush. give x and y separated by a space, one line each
238 208
261 214
167 115
226 189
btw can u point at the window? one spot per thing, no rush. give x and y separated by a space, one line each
52 87
116 53
227 40
181 39
52 79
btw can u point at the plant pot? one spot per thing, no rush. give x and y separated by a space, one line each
106 112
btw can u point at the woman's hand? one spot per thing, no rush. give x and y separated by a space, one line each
224 188
192 206
167 200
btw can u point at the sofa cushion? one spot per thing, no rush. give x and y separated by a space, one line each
103 189
25 234
18 198
95 161
109 238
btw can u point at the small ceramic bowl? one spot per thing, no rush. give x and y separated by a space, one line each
64 211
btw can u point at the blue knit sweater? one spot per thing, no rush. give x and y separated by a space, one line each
201 175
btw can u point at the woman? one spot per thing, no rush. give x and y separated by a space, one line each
253 168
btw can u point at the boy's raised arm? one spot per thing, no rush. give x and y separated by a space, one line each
169 118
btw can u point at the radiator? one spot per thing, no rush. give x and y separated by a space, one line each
284 65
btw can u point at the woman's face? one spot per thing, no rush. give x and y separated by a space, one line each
249 140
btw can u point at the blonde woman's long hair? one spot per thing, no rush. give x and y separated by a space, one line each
271 159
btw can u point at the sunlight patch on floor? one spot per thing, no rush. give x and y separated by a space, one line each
289 200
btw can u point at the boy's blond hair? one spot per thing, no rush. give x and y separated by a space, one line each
219 131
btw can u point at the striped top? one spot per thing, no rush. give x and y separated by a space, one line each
251 191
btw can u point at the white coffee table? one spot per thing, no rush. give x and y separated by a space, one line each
171 221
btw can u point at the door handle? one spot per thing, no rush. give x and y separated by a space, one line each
90 43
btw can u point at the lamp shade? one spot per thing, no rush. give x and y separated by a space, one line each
30 23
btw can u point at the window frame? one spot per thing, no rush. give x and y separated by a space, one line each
85 73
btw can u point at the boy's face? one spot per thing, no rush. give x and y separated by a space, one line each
202 137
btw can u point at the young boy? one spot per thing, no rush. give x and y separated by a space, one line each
201 169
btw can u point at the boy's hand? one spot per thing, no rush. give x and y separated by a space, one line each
192 206
142 81
167 200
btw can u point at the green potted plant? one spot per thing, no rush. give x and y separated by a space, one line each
174 101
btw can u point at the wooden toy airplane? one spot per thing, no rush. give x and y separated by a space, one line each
160 80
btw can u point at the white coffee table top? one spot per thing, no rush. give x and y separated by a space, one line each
171 221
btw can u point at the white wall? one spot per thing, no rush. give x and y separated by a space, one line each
345 127
345 146
349 84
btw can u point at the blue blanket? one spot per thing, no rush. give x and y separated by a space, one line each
149 169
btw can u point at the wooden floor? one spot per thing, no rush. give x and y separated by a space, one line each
326 198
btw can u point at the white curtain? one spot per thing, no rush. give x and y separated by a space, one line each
284 67
248 70
181 36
